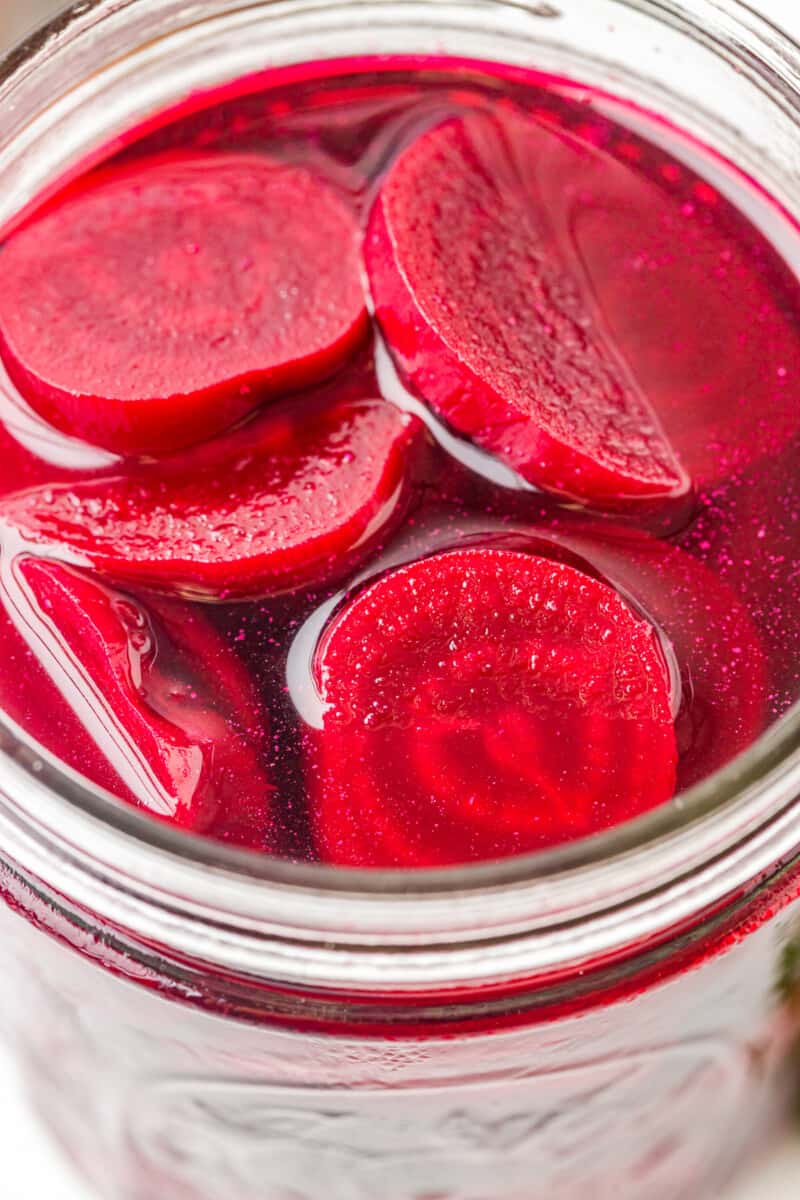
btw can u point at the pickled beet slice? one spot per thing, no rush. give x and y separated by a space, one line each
30 698
289 501
719 655
487 311
483 703
158 710
710 330
161 302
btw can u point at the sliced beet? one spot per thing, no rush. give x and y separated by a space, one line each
486 308
291 500
705 313
482 703
719 654
30 698
160 302
149 704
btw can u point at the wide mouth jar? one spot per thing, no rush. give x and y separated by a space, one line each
718 72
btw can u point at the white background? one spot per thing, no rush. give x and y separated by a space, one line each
31 1168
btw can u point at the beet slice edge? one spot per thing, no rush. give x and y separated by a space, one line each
158 710
299 496
162 301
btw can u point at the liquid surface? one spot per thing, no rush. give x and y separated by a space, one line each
184 621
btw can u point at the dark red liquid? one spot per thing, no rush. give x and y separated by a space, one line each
703 310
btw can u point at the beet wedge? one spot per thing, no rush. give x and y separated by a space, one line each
291 500
158 709
486 310
483 703
160 302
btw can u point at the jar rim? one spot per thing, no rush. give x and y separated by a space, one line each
105 847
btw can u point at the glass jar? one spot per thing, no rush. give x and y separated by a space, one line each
611 1018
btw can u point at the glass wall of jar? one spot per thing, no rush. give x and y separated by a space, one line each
197 1023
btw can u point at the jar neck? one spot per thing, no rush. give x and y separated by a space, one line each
421 1013
321 929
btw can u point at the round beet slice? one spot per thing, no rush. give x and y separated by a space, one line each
710 330
291 500
719 654
150 704
485 307
160 302
483 703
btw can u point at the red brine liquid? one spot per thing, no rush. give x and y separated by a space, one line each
400 465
